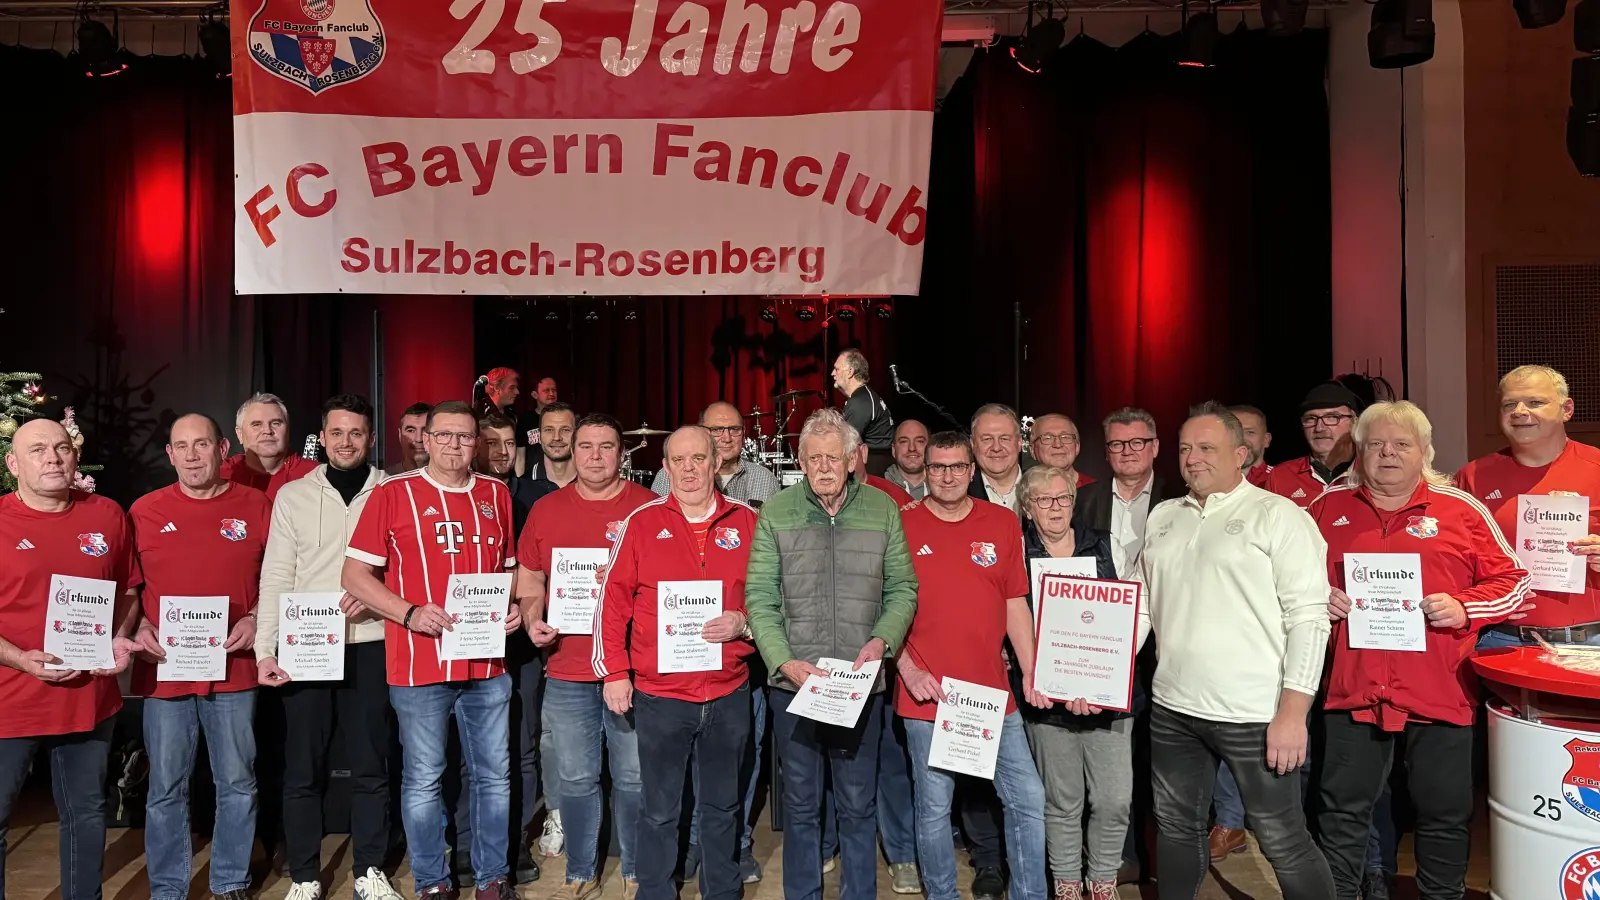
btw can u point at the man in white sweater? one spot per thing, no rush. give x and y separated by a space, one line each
1236 589
311 524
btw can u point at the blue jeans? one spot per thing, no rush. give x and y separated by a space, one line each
528 738
78 776
1016 780
581 726
749 769
809 751
897 819
483 716
710 738
171 733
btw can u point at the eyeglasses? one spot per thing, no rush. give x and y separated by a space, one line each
1134 444
1330 420
725 430
1057 440
957 469
454 437
1058 502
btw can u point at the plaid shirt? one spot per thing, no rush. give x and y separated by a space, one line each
752 483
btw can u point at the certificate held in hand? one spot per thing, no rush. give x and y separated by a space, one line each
477 606
77 627
839 698
1385 591
1087 640
1547 526
686 607
311 636
966 728
193 631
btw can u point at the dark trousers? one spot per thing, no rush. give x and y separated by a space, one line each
811 750
1184 752
981 815
525 665
78 777
360 705
674 734
1355 770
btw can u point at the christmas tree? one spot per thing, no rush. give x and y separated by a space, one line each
21 399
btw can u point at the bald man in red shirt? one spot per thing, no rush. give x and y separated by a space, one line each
1540 459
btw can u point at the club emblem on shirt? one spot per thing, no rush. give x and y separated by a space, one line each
1234 526
1581 784
1422 526
233 529
614 531
726 538
93 544
487 510
983 553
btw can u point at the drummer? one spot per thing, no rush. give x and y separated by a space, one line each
737 478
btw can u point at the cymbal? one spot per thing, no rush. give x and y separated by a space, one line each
795 395
758 414
646 432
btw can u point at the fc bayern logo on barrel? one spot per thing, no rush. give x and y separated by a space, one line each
1580 877
317 44
1581 783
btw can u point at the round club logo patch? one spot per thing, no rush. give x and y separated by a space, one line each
1580 877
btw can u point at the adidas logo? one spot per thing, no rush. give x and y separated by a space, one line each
1341 521
924 550
1493 495
25 544
664 535
1298 494
169 527
430 511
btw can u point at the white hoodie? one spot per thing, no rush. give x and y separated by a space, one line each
311 527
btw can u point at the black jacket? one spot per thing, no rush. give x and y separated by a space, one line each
1093 509
1094 543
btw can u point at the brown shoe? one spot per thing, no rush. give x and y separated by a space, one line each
1225 841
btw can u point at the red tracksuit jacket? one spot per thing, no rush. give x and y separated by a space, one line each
657 545
1464 555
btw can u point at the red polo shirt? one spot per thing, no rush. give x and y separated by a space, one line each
966 571
89 539
201 548
1497 479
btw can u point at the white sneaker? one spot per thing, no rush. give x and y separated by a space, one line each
375 886
305 890
552 840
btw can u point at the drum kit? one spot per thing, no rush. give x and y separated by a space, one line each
776 450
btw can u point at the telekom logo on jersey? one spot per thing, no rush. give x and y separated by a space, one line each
449 535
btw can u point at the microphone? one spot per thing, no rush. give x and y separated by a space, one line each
482 380
894 372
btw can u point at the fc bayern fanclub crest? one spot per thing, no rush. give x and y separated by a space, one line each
1580 877
1581 783
727 538
234 529
93 544
317 44
1422 526
614 531
983 553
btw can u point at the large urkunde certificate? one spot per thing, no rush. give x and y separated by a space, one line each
1087 640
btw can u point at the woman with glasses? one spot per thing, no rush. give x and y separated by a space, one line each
1083 753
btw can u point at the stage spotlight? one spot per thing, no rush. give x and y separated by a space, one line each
1284 18
592 315
631 315
511 315
97 50
769 313
805 312
552 316
884 309
1539 13
846 311
1044 37
217 47
1200 36
1401 33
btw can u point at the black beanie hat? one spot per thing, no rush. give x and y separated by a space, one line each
1328 395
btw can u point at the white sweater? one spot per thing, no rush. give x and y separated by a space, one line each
1237 593
305 552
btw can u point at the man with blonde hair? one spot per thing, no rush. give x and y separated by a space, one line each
1541 460
830 576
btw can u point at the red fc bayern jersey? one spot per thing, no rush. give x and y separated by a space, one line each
235 469
421 532
901 498
966 571
89 539
201 548
1498 479
564 519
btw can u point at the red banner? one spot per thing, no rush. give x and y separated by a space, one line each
592 146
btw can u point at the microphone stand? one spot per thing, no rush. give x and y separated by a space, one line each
904 387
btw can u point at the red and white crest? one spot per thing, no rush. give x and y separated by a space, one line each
983 553
234 529
317 44
93 544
